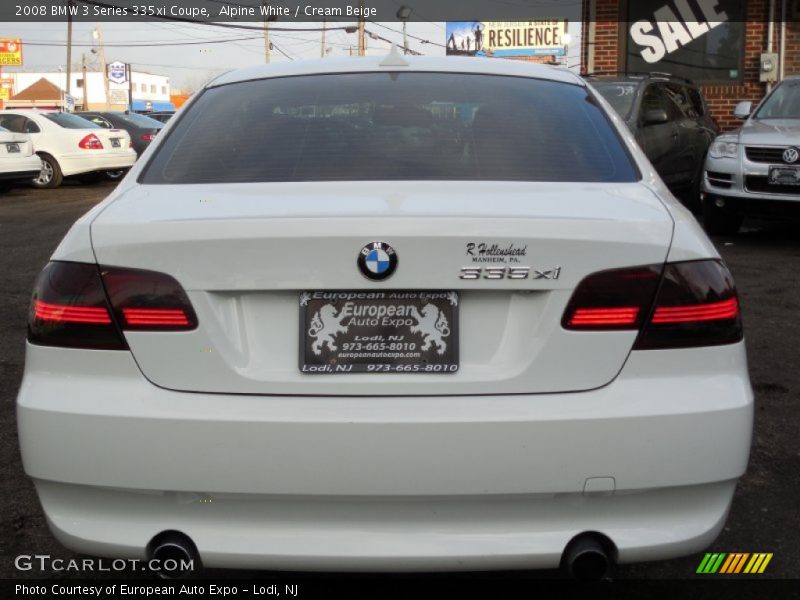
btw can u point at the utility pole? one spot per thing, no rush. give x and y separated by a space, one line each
129 73
85 83
322 41
362 39
97 34
68 87
265 4
403 13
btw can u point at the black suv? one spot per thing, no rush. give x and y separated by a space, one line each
669 118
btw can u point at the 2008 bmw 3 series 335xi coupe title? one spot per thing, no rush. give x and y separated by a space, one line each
388 314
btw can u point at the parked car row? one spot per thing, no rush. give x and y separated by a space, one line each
754 170
43 147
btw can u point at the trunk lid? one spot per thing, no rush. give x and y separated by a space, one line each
108 137
244 253
23 141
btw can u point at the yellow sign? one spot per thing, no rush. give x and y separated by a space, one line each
10 52
6 86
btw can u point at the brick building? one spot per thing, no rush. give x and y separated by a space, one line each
717 43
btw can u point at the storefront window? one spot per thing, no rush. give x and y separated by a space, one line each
702 40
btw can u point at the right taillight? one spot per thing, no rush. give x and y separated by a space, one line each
146 300
696 305
79 305
679 305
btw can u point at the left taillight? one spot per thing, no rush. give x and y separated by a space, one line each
79 305
91 142
69 308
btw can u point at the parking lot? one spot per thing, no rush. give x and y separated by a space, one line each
764 258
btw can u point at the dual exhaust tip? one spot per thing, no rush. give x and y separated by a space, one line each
589 557
175 553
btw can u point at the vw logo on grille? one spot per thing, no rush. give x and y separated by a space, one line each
377 261
790 155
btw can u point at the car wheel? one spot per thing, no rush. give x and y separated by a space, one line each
720 220
115 175
50 176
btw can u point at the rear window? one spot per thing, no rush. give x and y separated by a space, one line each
392 126
618 95
71 121
141 121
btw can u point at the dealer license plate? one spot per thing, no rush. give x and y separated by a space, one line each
784 175
12 148
378 332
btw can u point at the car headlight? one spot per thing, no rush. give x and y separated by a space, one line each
724 149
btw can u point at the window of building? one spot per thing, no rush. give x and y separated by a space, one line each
164 90
133 87
152 88
703 41
79 83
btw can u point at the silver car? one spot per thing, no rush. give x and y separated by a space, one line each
755 170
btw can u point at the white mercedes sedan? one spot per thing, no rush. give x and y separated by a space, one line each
400 314
69 145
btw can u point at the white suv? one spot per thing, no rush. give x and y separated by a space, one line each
755 170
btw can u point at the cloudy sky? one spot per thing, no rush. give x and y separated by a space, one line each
192 53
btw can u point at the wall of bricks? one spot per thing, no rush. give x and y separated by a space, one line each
792 55
722 98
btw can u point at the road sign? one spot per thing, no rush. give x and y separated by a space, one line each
117 72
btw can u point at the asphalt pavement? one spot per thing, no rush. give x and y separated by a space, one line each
764 259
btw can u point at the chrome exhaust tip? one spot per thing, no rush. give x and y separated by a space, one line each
589 557
173 555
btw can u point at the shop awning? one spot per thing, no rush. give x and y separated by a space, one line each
151 105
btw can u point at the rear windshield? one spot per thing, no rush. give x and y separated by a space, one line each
71 121
392 126
141 121
618 95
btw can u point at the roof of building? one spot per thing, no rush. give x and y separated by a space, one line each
41 90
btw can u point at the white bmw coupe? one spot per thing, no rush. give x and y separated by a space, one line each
395 314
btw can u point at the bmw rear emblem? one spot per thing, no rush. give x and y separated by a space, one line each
377 261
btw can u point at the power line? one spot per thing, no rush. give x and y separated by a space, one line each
423 40
145 44
216 24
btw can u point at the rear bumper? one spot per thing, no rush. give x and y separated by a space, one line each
86 162
387 483
20 169
19 175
